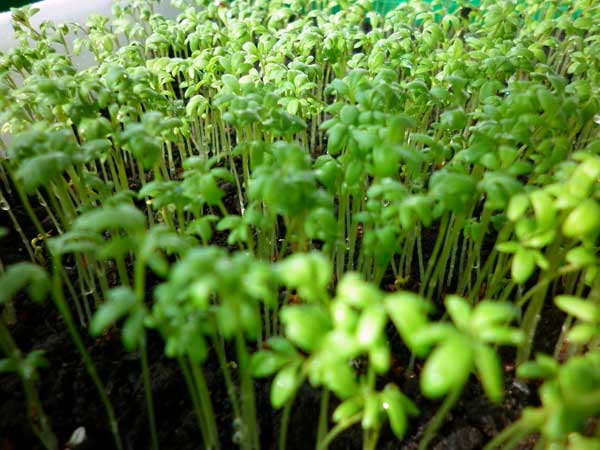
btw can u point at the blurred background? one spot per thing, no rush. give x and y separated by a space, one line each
63 11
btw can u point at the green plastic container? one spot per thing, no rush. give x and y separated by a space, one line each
385 6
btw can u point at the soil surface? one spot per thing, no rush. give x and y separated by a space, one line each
71 401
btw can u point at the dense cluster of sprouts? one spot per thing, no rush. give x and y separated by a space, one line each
286 183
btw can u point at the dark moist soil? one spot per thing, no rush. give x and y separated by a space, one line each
71 401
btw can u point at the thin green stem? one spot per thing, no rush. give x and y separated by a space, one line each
212 437
285 422
65 312
200 419
338 429
229 386
122 270
37 417
513 430
248 402
7 207
437 420
323 415
148 395
425 281
370 438
139 287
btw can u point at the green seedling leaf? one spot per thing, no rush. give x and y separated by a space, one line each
452 190
202 226
353 290
488 313
337 138
283 123
26 367
228 318
501 335
560 422
583 333
282 346
453 120
349 114
341 380
549 102
372 415
579 442
447 368
96 128
37 360
398 124
584 178
348 408
260 284
581 257
371 324
9 365
229 223
133 329
75 241
408 312
145 147
523 265
489 367
119 302
508 247
583 221
200 292
517 206
392 405
397 407
266 363
342 344
24 275
187 340
459 310
284 385
540 260
305 325
550 394
544 367
525 228
196 106
321 224
345 317
578 307
40 170
250 319
591 274
329 172
118 246
579 379
386 160
308 273
354 173
380 356
124 216
432 334
543 207
540 240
